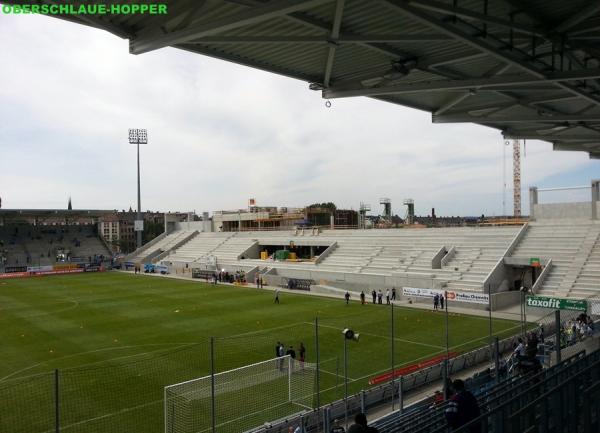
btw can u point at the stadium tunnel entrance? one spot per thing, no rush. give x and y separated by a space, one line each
525 271
280 251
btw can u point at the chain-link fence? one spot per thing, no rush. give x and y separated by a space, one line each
127 393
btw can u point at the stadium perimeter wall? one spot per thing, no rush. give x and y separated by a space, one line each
578 210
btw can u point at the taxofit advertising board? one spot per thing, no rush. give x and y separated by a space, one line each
451 295
556 303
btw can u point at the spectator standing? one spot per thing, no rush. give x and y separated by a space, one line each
387 296
360 425
277 349
362 298
462 409
257 281
337 428
347 297
436 301
280 354
302 353
261 282
380 297
292 354
374 295
442 301
393 293
520 349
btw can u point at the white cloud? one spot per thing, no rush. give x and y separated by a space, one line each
221 133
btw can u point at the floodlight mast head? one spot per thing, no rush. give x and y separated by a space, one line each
138 136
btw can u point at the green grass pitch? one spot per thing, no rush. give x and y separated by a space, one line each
118 339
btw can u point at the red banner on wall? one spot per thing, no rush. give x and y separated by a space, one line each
386 377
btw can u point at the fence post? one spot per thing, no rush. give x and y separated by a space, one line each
212 385
318 396
326 419
393 360
490 321
345 382
56 402
557 331
401 394
363 405
497 358
445 379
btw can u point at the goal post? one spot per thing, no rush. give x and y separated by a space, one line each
243 398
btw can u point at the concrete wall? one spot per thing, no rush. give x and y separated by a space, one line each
436 261
449 255
252 252
498 278
200 226
505 299
577 210
589 345
358 282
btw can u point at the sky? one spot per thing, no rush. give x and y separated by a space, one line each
221 133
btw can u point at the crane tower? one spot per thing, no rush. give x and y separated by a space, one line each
517 178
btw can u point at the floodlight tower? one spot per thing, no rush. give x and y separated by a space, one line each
138 136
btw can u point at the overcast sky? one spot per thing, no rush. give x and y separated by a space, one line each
221 133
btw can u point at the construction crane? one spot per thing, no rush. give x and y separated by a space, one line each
516 178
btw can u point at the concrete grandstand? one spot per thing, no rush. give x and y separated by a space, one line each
495 259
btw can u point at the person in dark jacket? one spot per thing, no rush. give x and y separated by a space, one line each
360 425
462 409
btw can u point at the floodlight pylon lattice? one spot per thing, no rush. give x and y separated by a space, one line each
256 393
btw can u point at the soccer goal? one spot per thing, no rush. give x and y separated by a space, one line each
244 398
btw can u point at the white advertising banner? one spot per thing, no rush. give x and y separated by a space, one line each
419 292
451 295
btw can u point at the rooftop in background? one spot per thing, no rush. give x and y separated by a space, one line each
528 68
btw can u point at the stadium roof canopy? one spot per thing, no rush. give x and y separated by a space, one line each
530 68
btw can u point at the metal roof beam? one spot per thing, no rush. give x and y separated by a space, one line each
342 39
316 23
519 118
487 45
584 147
515 101
246 62
442 85
579 16
248 17
533 136
454 101
335 33
445 8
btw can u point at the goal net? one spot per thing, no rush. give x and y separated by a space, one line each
244 398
